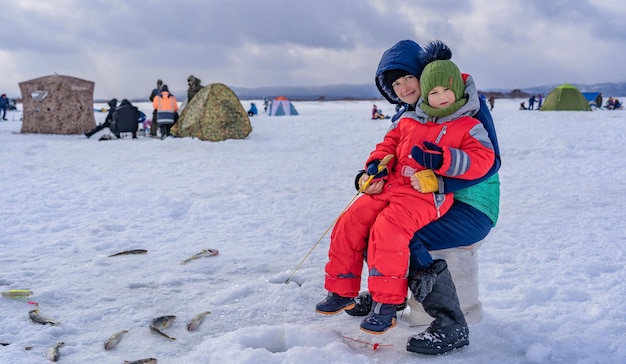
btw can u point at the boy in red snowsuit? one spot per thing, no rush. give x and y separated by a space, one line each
438 136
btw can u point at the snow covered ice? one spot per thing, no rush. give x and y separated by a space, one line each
552 276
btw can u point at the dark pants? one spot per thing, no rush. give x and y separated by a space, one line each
154 125
165 129
106 124
462 225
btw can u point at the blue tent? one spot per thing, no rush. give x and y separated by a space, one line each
591 97
281 106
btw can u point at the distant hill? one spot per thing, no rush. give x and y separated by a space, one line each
330 92
607 90
370 92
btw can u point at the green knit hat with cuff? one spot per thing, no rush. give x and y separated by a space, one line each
442 73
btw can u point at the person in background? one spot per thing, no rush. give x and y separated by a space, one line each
539 101
492 101
4 105
599 101
126 119
155 92
167 109
378 113
253 110
194 87
107 121
531 103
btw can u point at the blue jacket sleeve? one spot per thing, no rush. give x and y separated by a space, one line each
455 184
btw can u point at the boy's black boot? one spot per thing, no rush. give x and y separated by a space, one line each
334 303
382 317
449 330
363 305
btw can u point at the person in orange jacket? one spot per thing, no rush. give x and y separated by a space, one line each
439 136
167 110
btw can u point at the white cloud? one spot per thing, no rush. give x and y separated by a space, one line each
125 46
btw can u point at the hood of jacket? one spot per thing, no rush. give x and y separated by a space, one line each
194 80
405 55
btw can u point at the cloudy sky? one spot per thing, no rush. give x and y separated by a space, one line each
125 46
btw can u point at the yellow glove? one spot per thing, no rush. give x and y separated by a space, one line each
428 180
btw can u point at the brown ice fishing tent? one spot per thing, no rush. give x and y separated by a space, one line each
57 104
215 113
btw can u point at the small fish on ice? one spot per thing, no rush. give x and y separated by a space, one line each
53 352
162 322
203 253
114 339
142 361
196 320
128 252
38 319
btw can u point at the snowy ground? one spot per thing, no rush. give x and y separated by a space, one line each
552 275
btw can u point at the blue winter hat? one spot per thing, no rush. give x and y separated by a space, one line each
403 58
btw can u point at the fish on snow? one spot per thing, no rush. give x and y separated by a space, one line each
142 361
197 320
37 318
203 253
114 339
53 352
162 322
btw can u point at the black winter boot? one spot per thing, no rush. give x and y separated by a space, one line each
363 305
333 304
449 330
381 318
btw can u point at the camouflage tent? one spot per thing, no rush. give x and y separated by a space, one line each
214 114
57 105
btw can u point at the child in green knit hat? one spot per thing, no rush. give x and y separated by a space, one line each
443 88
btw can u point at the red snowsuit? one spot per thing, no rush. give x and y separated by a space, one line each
385 223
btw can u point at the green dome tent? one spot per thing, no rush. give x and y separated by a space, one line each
565 98
214 114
